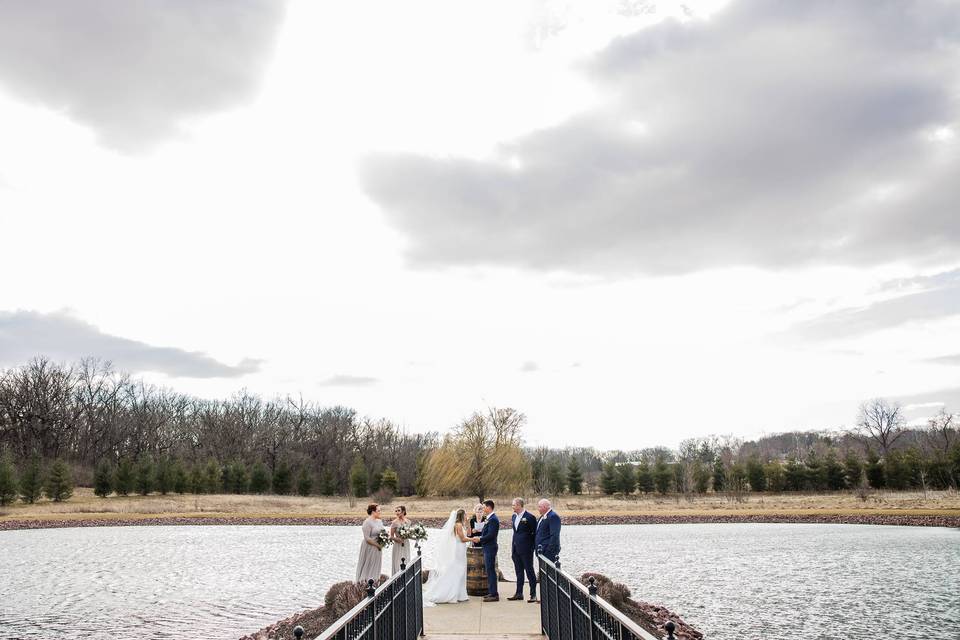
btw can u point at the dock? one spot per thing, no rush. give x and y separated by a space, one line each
473 620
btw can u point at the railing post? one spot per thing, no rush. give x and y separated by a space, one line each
298 632
670 628
371 596
592 608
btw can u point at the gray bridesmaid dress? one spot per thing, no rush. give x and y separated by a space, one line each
400 551
370 562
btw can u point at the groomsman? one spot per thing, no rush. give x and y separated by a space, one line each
548 531
524 534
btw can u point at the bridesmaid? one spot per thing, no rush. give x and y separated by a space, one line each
370 562
401 547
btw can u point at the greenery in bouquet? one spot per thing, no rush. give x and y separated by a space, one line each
412 532
383 538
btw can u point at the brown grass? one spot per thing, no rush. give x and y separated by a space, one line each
85 505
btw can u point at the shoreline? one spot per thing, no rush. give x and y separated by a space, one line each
950 520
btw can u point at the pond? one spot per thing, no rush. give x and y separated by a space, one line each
729 580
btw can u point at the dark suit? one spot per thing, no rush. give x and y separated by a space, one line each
488 540
548 535
524 538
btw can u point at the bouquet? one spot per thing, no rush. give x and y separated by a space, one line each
383 538
412 532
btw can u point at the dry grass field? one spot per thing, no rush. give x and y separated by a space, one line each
86 506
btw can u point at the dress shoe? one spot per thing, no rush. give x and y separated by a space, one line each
491 598
516 596
533 599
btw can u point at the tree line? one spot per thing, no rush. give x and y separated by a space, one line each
89 424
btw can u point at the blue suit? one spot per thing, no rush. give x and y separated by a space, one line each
524 541
488 540
548 535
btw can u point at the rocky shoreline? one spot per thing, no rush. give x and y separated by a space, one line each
952 521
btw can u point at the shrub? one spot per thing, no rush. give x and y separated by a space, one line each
259 479
31 482
382 495
103 479
342 597
59 484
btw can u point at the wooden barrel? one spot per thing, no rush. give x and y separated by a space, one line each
476 572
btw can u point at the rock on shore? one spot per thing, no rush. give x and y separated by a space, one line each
650 617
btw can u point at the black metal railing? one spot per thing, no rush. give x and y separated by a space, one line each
572 611
392 611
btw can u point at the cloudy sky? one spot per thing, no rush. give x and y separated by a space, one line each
634 221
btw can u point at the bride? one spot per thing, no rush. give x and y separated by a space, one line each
448 581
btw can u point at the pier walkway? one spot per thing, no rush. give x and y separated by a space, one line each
504 620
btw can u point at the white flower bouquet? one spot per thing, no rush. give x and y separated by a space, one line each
414 531
383 538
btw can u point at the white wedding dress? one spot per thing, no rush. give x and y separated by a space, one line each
448 580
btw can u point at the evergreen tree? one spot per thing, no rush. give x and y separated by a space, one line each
145 476
895 470
738 477
756 475
328 485
574 477
775 477
608 478
719 476
226 477
373 480
626 479
794 475
31 482
8 482
304 482
358 478
212 477
662 476
644 478
163 481
874 471
259 478
852 470
103 479
701 477
240 479
833 471
181 481
123 478
556 479
59 483
389 480
816 472
196 483
281 479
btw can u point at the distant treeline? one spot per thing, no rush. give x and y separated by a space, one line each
98 427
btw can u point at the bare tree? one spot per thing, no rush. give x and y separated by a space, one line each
942 429
880 422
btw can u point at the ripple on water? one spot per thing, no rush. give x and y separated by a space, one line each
730 580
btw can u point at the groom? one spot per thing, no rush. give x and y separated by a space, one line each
488 540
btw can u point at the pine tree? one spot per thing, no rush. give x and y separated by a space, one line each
389 480
123 479
212 474
644 478
755 474
328 485
833 472
181 481
358 478
259 478
719 476
556 479
852 470
8 482
144 476
304 482
281 479
775 478
701 477
31 482
794 475
874 471
103 479
574 477
197 483
240 480
662 476
59 484
626 479
608 478
738 477
163 480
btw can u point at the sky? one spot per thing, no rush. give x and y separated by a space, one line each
637 222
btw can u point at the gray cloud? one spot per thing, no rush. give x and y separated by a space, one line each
135 70
951 360
529 367
775 134
928 403
348 381
61 337
923 299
